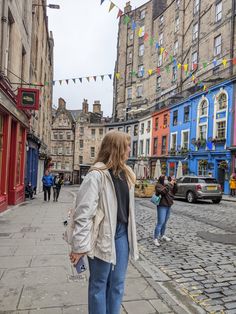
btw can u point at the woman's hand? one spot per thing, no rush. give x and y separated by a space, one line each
75 257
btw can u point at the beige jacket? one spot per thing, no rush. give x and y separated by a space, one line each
96 217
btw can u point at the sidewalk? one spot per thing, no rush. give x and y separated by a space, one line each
37 277
229 198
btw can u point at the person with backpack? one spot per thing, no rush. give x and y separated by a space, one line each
167 189
47 184
57 183
104 224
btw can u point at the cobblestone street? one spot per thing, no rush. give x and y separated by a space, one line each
200 262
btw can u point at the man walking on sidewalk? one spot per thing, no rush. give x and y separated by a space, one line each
47 184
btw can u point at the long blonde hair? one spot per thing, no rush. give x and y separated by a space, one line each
113 152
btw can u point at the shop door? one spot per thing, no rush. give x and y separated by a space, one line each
221 177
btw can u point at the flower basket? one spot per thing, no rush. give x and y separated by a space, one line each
223 164
218 140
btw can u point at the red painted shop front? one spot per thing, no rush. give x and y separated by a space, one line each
13 126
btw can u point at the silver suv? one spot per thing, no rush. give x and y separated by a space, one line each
193 188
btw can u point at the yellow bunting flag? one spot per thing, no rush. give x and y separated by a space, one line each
150 72
204 87
140 32
224 62
112 5
162 50
179 65
193 78
186 67
118 76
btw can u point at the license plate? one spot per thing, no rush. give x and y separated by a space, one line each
212 188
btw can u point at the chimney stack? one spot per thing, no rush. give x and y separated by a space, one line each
128 7
85 106
61 103
96 106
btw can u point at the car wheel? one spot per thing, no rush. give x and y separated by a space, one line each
191 197
216 201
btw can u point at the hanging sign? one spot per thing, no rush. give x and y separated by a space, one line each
28 98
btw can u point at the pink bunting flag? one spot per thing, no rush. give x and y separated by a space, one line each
120 12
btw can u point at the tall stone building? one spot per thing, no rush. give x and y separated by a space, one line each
62 142
169 50
23 33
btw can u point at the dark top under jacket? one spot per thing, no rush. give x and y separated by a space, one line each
122 195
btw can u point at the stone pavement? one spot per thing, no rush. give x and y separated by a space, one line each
37 277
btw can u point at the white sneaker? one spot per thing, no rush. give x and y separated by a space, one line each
165 238
156 242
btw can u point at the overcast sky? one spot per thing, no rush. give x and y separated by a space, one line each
85 37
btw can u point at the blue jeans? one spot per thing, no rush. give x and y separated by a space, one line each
163 214
106 284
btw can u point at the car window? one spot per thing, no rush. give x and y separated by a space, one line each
194 180
208 180
186 180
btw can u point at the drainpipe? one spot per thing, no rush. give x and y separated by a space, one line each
3 34
232 34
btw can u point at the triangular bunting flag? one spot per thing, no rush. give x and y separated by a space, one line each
120 12
140 32
158 70
74 80
150 72
102 77
60 81
110 76
162 50
134 26
88 78
195 66
186 67
67 81
215 62
112 5
224 62
46 83
167 69
53 82
151 41
157 45
102 2
126 19
80 79
234 61
145 37
118 76
133 73
95 78
204 65
179 65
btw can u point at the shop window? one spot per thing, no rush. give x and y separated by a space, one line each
202 169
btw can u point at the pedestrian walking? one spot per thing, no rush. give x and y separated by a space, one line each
105 227
47 184
57 183
232 184
167 189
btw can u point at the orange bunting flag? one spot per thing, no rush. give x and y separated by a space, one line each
179 65
145 37
224 62
195 66
234 61
162 50
119 13
118 76
112 5
150 72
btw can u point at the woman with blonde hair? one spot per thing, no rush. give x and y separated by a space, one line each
105 227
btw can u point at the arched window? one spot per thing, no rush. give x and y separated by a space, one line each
203 108
222 101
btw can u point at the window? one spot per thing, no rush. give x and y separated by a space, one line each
68 135
80 160
221 129
59 165
81 144
159 62
217 45
175 117
141 148
60 150
163 145
140 91
55 135
173 141
61 136
155 143
161 39
92 152
130 55
158 83
100 132
1 144
68 150
140 71
203 132
218 11
131 36
174 73
185 139
156 123
142 31
203 108
186 114
177 24
147 147
161 19
135 148
93 133
142 128
81 130
196 6
222 101
141 50
176 47
67 166
136 130
195 31
128 129
194 60
55 150
142 14
202 169
165 120
120 128
148 126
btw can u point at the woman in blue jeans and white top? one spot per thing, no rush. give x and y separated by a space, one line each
166 189
105 227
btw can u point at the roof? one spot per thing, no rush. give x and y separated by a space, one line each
75 113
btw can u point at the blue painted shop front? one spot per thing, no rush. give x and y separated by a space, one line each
210 122
32 164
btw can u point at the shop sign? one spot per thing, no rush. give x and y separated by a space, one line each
28 98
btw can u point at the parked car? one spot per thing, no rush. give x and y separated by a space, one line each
193 188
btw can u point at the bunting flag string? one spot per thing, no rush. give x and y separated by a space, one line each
88 78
